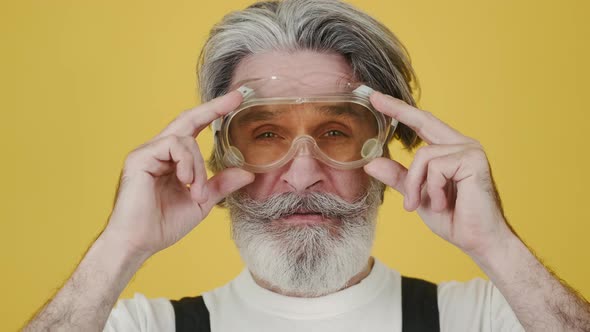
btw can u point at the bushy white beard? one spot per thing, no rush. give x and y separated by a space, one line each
305 260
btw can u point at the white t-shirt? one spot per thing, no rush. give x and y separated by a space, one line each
373 305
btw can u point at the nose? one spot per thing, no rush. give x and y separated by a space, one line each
303 172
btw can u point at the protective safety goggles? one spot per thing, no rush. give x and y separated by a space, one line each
280 118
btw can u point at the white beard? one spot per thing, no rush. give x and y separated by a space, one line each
305 260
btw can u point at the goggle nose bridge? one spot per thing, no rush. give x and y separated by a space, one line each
303 145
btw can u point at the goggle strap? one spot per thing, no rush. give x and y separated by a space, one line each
216 126
365 91
246 92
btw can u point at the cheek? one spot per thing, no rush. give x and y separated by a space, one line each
349 184
263 186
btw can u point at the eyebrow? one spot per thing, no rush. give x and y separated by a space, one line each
262 114
341 109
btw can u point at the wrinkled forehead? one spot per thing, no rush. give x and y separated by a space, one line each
276 74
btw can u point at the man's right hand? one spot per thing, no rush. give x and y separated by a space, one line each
153 210
154 207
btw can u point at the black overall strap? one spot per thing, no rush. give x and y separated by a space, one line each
191 314
419 309
419 306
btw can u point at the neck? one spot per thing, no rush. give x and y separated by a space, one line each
351 282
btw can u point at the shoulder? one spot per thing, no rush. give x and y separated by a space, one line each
474 305
141 314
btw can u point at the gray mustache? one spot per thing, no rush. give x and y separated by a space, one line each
286 204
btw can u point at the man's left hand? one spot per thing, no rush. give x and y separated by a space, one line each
449 181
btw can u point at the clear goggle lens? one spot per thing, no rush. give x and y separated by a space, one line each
342 130
265 134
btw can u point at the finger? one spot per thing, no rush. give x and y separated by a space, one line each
440 172
224 183
417 172
198 188
169 151
192 121
427 126
389 172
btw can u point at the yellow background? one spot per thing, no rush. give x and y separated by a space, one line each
84 82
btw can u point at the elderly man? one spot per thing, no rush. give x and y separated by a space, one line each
303 97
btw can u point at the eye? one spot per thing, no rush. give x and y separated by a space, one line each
333 133
267 135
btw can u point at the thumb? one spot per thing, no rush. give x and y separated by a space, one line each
389 172
224 183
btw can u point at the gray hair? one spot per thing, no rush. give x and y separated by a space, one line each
375 54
